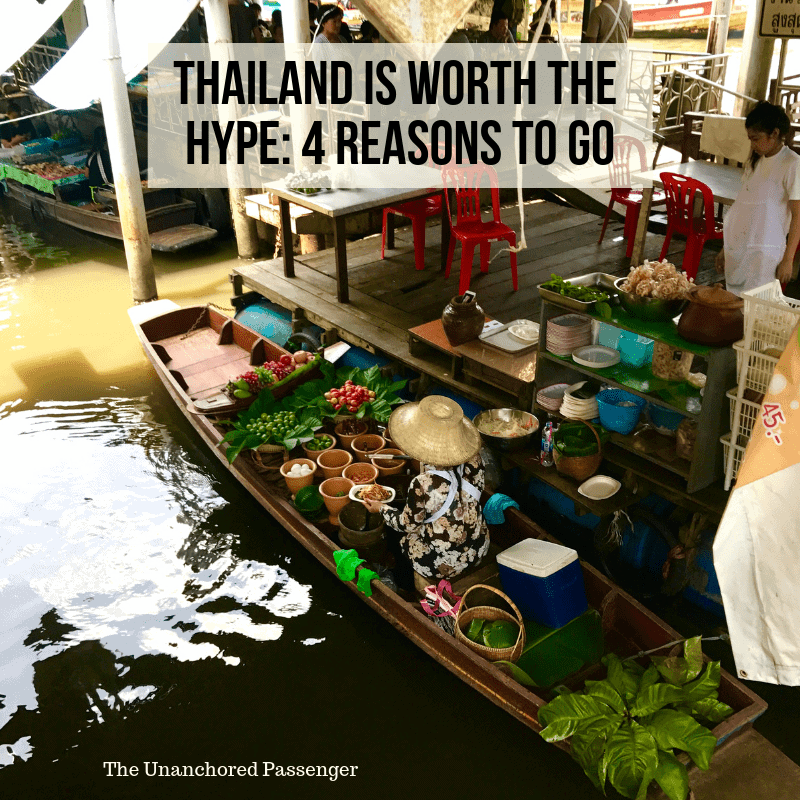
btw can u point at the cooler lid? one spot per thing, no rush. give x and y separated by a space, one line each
537 557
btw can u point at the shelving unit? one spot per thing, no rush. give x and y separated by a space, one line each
709 410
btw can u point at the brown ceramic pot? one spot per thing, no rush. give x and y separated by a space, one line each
329 490
462 320
386 467
365 446
332 462
346 439
713 317
315 454
295 484
361 474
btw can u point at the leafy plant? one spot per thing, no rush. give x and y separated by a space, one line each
586 294
625 729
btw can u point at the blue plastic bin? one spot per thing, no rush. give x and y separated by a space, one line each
616 417
544 580
664 417
608 335
635 350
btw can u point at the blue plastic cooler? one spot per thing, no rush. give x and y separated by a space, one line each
544 580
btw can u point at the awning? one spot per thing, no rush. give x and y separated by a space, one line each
24 26
144 28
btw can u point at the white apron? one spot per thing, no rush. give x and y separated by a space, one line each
756 226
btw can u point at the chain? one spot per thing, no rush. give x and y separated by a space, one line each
202 316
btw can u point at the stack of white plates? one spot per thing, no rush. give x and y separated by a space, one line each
575 408
550 397
567 333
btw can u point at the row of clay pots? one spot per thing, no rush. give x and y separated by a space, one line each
331 488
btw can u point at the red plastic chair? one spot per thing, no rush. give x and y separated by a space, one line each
619 171
681 195
469 228
418 212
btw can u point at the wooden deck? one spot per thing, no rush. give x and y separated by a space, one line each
388 297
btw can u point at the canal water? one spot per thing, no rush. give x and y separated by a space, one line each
151 614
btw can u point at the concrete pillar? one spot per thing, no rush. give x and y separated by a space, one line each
121 147
756 63
218 26
718 26
295 35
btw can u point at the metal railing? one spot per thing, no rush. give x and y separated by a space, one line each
31 68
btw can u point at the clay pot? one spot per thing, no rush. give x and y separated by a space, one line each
329 490
388 467
332 462
365 446
313 455
345 440
295 484
462 320
713 317
368 471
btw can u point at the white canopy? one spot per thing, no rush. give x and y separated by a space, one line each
144 28
24 26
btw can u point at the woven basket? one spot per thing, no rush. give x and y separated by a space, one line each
580 467
491 613
270 448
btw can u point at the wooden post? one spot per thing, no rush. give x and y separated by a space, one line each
756 62
718 26
218 26
122 149
781 71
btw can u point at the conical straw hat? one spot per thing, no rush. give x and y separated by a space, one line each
434 431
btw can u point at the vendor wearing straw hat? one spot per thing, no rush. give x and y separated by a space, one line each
442 525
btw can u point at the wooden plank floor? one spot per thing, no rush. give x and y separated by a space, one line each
391 294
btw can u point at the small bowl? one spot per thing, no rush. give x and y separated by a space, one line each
388 467
367 444
333 462
354 493
525 331
361 473
649 308
500 415
345 440
313 455
296 483
335 502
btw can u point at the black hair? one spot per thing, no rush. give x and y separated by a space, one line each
313 12
13 107
99 140
368 31
497 15
766 118
327 12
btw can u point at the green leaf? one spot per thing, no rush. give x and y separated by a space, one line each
623 677
588 745
562 715
706 685
605 691
680 670
517 673
604 310
715 711
672 728
252 440
655 697
672 776
630 759
235 436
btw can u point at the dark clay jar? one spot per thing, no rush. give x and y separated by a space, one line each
713 317
462 320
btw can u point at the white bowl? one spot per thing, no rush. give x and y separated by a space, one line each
596 356
599 487
525 331
359 486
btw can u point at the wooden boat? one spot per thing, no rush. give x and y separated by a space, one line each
196 350
171 224
681 16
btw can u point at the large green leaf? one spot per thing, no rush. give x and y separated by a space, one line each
589 742
605 691
630 760
623 677
680 670
656 697
715 711
251 440
671 776
517 673
706 685
562 715
672 728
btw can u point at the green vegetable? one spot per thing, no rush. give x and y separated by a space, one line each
500 633
625 728
585 294
475 628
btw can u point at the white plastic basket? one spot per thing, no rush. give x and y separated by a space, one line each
769 317
759 368
748 414
738 457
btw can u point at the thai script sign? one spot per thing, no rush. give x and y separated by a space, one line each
780 19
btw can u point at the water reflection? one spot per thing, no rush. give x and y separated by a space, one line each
110 555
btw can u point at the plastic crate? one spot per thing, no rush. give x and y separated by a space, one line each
769 317
635 350
758 368
738 457
608 336
44 145
748 414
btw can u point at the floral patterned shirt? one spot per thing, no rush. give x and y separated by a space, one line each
457 539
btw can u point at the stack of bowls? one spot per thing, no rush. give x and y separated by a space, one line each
567 333
578 408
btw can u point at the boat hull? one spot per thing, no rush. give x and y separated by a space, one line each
628 626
